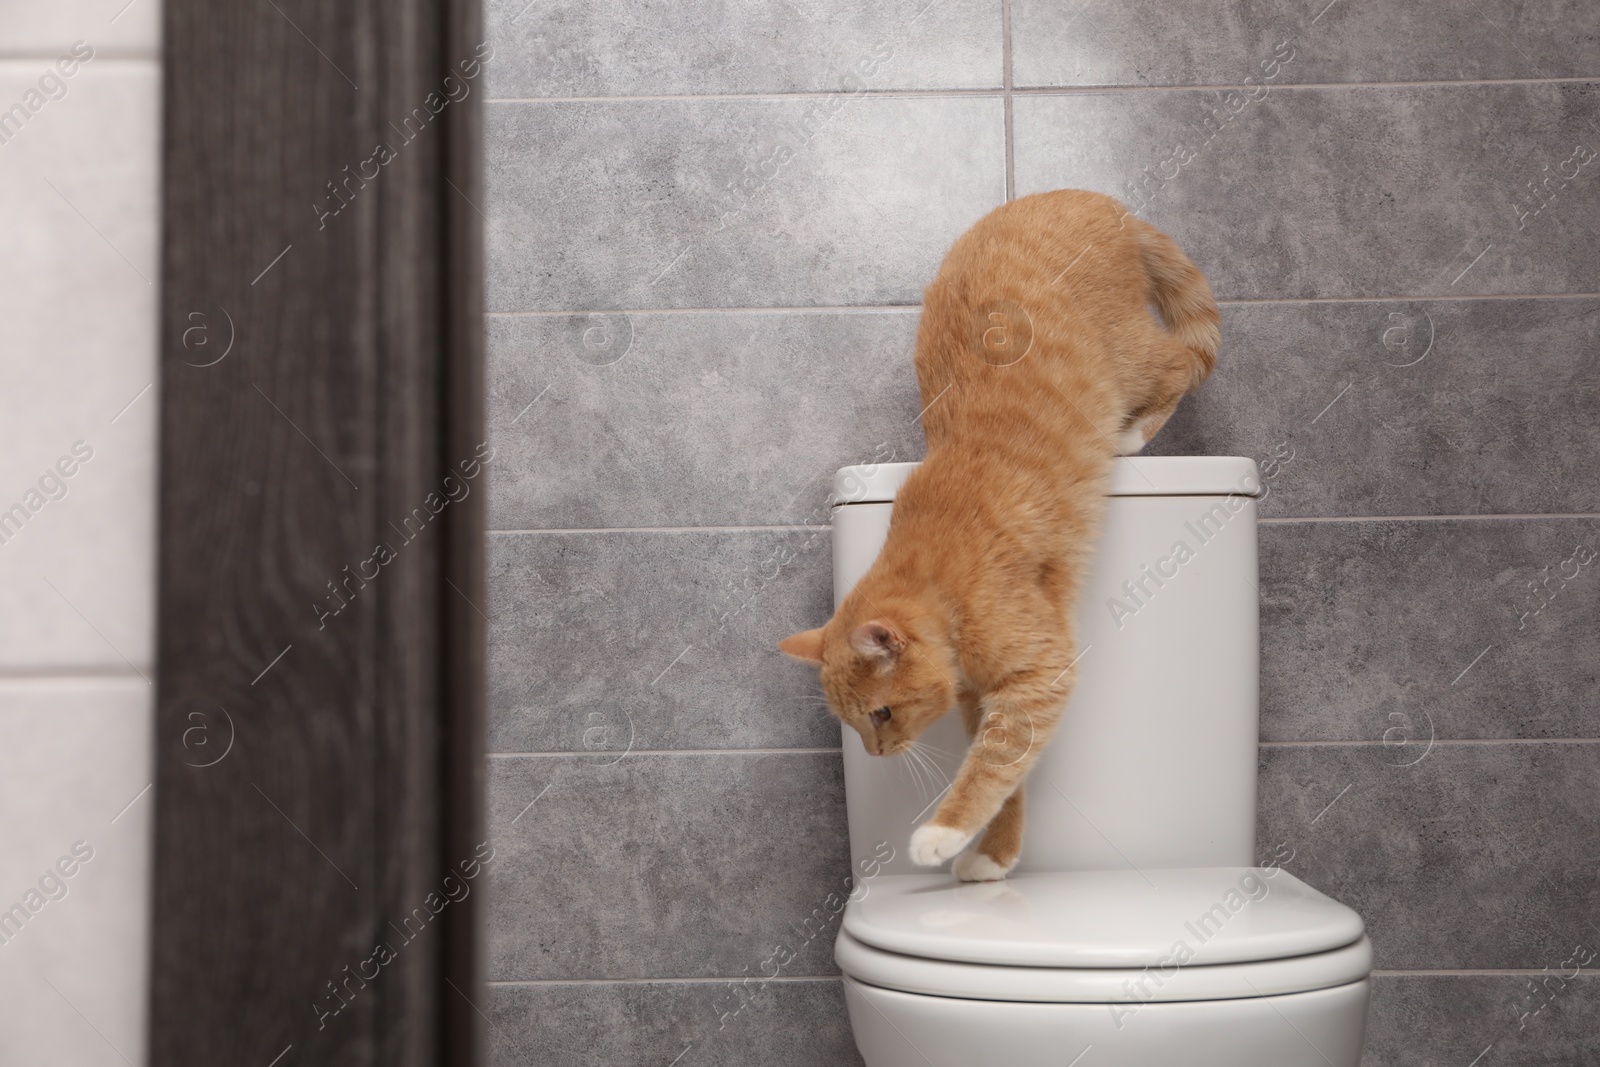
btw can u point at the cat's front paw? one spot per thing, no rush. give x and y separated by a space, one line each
931 845
974 866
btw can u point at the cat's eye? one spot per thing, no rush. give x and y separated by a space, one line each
880 716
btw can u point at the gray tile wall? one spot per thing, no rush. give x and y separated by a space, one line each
708 231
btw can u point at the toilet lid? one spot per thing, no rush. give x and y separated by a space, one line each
1102 985
1173 917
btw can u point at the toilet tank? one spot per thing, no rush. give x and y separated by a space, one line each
1154 761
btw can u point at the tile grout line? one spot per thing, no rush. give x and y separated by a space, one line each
670 752
70 674
1005 90
824 309
1443 972
661 529
1507 517
1453 299
1423 83
1465 972
100 55
868 309
1006 81
512 982
987 92
1561 516
1462 742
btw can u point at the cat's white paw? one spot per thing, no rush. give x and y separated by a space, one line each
932 845
974 866
1129 441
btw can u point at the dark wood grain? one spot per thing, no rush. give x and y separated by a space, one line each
466 619
350 390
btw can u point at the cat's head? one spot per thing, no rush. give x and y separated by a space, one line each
888 680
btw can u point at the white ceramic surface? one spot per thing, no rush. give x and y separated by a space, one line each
1125 986
1134 929
1324 1028
1154 761
79 210
870 483
121 28
74 771
78 207
1102 918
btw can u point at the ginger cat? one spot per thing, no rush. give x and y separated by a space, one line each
1039 361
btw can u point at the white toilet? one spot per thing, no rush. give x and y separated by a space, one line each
1136 931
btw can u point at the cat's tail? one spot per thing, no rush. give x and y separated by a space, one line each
1180 292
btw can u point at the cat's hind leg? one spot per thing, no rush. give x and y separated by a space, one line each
1000 848
1129 441
1017 720
1144 425
932 845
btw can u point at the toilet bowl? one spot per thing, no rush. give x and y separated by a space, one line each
1137 930
1148 968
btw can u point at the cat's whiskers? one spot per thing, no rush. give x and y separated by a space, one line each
911 760
930 772
929 768
909 768
926 748
922 749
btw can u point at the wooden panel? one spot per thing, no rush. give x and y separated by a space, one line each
465 617
319 693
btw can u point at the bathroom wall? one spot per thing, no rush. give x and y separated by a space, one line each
708 228
79 111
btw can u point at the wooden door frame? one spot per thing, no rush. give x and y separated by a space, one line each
319 708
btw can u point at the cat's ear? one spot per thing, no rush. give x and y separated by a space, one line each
805 645
878 641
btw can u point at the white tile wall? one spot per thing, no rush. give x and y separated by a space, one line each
75 756
79 201
39 27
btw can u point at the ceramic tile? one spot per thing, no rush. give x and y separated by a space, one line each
729 203
1416 399
1343 192
607 642
693 419
1412 630
1201 42
1471 858
110 27
78 193
1405 407
76 757
567 48
683 866
1418 1020
785 1024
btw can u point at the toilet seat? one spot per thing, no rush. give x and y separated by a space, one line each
1102 985
1098 937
